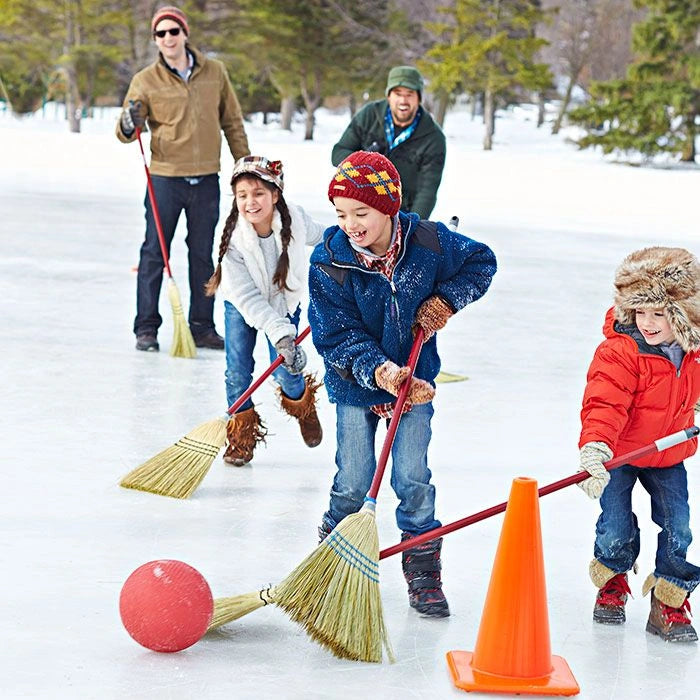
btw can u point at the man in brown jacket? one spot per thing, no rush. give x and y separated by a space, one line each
187 100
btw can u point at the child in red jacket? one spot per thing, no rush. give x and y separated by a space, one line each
643 383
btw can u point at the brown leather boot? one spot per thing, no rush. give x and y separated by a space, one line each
304 410
244 431
669 618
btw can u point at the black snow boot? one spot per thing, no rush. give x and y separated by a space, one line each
610 602
421 569
324 529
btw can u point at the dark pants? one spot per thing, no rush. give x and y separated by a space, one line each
201 205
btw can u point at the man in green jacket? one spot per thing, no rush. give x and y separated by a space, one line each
187 101
399 128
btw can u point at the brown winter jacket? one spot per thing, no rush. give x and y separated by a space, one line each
186 118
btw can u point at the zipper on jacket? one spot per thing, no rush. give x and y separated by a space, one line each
394 312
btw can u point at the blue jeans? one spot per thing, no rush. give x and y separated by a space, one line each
410 476
617 532
201 205
240 340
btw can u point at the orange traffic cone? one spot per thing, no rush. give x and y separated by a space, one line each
512 652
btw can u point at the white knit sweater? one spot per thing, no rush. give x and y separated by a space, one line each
246 283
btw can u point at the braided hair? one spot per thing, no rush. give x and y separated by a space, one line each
280 276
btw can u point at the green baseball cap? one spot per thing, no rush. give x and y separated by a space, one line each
404 76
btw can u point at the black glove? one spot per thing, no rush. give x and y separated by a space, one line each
294 356
133 116
375 147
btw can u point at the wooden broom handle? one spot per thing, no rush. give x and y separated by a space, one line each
247 393
396 415
154 206
656 446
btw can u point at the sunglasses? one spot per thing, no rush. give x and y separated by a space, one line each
162 32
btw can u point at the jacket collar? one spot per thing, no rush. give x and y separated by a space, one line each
340 251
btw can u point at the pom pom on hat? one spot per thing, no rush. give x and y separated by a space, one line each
173 13
269 170
370 178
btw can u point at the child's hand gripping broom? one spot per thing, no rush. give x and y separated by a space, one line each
179 469
229 609
334 593
183 342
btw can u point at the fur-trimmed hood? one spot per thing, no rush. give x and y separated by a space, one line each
662 278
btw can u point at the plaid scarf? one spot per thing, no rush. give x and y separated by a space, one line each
387 262
389 130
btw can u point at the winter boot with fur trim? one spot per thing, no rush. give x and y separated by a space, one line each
670 611
421 569
304 410
244 431
613 590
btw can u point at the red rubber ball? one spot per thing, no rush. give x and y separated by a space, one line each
166 605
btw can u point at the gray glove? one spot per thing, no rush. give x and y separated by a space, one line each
294 356
593 454
133 116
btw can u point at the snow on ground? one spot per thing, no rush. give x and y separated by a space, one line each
81 408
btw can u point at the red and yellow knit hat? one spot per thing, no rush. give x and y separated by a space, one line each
370 178
173 13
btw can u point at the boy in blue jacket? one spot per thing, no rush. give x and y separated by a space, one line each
375 276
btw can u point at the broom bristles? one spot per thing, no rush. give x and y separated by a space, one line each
179 469
334 593
229 609
183 342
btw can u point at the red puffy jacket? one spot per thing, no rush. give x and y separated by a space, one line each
633 398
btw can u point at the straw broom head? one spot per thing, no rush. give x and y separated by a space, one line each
229 609
334 592
183 342
179 469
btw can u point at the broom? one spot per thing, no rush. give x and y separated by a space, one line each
183 342
179 469
334 593
229 609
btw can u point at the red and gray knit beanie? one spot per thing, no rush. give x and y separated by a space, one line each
173 13
370 178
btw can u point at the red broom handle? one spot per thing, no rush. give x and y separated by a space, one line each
396 415
656 446
154 206
247 393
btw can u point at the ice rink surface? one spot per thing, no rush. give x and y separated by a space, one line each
81 408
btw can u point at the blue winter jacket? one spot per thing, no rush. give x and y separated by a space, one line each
359 319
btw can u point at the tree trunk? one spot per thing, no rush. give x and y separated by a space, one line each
352 104
489 119
443 100
286 113
312 101
564 104
688 153
540 108
73 106
476 98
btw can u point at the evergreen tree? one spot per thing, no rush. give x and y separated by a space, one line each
656 107
72 47
489 47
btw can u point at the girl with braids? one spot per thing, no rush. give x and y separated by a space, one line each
260 274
